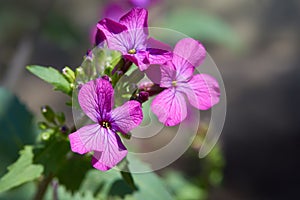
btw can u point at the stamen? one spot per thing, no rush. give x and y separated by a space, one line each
131 51
174 83
105 124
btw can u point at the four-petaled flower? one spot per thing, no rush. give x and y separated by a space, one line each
130 37
96 100
177 77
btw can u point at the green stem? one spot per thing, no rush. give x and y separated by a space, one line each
42 187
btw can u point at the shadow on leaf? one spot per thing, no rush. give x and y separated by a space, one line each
120 188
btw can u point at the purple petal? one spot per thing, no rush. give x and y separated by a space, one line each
137 25
202 91
168 75
86 139
127 117
184 74
113 152
113 32
138 38
159 52
99 36
170 107
96 99
141 59
156 44
136 18
159 56
154 73
188 52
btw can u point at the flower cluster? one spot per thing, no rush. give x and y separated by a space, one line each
177 84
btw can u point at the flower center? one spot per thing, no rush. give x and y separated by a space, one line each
105 124
174 83
131 51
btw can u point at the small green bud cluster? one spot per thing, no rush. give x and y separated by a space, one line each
54 123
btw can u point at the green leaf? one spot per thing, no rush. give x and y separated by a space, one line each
52 154
150 185
48 114
63 193
69 168
52 76
126 175
183 188
73 170
16 128
111 185
22 192
21 171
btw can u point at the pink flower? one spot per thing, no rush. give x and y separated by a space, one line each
96 100
130 37
201 90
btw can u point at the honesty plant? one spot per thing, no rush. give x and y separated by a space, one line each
123 50
177 81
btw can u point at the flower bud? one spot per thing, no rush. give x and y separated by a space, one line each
69 74
146 86
42 125
47 134
48 114
64 129
143 97
105 77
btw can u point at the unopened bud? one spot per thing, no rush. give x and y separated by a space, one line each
43 125
64 129
89 55
69 74
48 113
151 88
143 97
105 77
146 86
47 134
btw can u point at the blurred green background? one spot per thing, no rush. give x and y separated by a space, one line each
254 43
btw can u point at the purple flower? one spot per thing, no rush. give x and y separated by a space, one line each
130 37
96 101
177 77
140 3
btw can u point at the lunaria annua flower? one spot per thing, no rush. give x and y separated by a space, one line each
130 37
96 100
177 76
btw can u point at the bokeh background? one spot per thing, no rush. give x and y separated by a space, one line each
255 45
